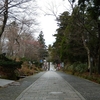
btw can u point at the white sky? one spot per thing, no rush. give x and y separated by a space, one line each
47 22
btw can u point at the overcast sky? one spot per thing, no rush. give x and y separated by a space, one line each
47 21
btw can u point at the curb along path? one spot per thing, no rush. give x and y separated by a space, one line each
50 86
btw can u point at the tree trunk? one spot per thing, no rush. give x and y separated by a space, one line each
88 55
98 48
0 46
5 15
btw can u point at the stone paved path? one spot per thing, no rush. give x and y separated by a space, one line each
50 86
12 91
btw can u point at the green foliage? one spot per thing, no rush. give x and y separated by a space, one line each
59 47
4 58
69 45
78 67
92 9
24 59
41 40
79 33
81 68
42 49
98 80
10 64
36 63
8 67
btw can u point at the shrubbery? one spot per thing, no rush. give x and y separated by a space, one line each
14 69
78 67
8 67
10 64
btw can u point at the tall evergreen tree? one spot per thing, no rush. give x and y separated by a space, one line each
93 9
43 50
69 46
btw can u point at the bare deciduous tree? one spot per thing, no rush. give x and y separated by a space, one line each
8 8
11 10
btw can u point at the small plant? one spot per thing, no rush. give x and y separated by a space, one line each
98 80
8 67
81 68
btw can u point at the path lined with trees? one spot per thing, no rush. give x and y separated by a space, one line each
77 39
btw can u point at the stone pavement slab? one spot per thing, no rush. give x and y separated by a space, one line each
4 82
88 89
50 86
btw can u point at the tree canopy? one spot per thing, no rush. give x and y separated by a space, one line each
78 35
